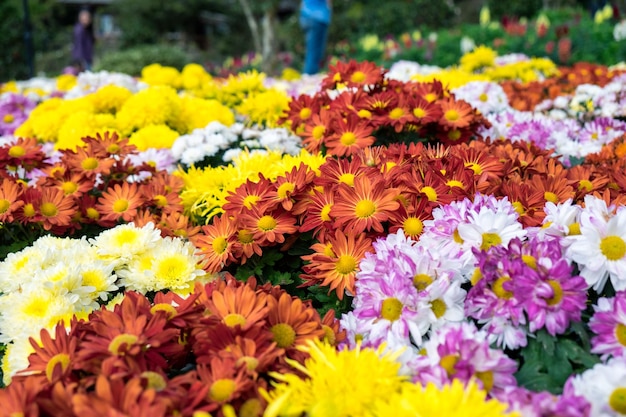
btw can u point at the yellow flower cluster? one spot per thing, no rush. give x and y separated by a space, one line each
206 189
374 389
479 65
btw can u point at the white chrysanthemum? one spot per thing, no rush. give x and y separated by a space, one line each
18 269
604 387
561 219
89 82
99 276
172 264
445 303
488 228
122 243
15 358
487 97
600 249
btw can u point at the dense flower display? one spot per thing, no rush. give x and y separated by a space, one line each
418 241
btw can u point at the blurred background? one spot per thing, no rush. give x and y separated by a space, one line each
231 35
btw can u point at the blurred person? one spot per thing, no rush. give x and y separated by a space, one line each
315 16
83 41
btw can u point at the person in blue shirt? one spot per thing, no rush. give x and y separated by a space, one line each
83 43
315 18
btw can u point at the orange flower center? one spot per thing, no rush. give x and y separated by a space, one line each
364 209
29 210
325 213
348 139
346 264
234 319
284 335
219 244
318 132
89 164
222 389
396 113
455 183
519 207
620 333
4 205
49 209
69 187
120 343
422 281
413 226
285 190
120 206
267 223
357 77
62 359
305 113
451 115
585 185
419 112
17 151
391 309
430 97
8 118
329 335
498 288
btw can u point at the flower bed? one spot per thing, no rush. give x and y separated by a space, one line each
364 243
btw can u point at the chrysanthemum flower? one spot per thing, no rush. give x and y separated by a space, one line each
24 152
83 162
604 387
239 307
455 113
364 207
609 325
10 201
349 136
226 381
120 202
122 243
56 208
269 227
215 243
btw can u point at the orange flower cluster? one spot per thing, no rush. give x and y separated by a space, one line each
90 186
174 356
382 189
357 106
526 96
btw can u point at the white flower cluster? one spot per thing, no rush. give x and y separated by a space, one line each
405 70
229 141
619 31
488 97
89 82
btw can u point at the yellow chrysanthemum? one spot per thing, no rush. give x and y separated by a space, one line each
154 136
237 87
290 74
9 87
152 106
454 400
194 76
197 113
451 78
156 74
47 118
326 391
66 82
80 125
109 99
479 58
264 108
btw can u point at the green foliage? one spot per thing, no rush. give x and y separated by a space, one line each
517 8
12 58
132 60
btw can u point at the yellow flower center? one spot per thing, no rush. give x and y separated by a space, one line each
391 309
585 185
160 200
477 275
551 197
422 281
498 288
613 248
4 205
8 118
454 134
396 113
448 362
245 236
419 112
412 226
574 229
346 264
285 189
430 97
328 250
347 179
305 113
617 400
364 208
168 308
222 389
69 187
620 333
318 132
486 378
219 244
120 343
62 359
92 213
451 115
456 236
155 380
455 183
325 213
120 206
530 260
474 167
113 148
489 240
89 164
348 139
357 77
29 210
438 307
558 293
251 408
364 114
483 97
250 201
172 268
430 192
329 335
267 223
284 335
49 209
17 151
519 208
234 319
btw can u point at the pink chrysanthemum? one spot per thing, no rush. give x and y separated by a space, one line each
609 325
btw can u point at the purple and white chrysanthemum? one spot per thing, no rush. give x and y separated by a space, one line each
544 404
14 110
461 351
488 97
160 159
609 325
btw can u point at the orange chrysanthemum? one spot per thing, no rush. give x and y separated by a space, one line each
10 199
225 380
120 202
238 308
177 224
316 130
25 152
108 144
56 208
424 111
84 162
349 136
455 113
316 214
269 227
363 207
249 195
215 243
